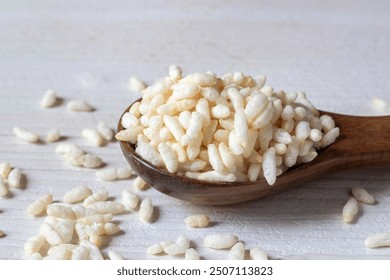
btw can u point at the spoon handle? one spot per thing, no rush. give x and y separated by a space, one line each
363 142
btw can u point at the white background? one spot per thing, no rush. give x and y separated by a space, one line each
335 51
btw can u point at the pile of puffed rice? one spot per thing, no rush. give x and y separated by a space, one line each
234 128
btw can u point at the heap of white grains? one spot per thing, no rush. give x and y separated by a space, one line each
234 128
68 219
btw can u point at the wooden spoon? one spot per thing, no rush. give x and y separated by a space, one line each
363 142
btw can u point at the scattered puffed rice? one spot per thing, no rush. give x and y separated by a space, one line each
350 209
109 174
98 218
37 207
199 221
14 178
135 84
175 249
53 135
25 135
175 72
60 211
237 252
105 131
378 240
77 194
129 199
66 148
220 241
100 195
2 233
91 161
93 136
74 157
94 252
107 207
96 240
145 209
179 247
63 227
5 168
111 229
183 240
362 195
34 244
79 106
155 249
80 253
140 184
258 254
49 99
124 172
113 255
50 234
191 254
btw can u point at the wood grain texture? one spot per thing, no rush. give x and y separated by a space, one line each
337 52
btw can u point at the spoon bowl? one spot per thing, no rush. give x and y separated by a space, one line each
363 142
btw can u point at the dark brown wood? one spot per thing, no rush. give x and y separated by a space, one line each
363 142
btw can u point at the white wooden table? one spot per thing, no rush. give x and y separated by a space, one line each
337 52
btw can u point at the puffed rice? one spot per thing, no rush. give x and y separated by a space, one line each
350 209
91 161
94 252
109 174
199 116
93 136
220 241
80 253
155 249
197 221
105 131
49 99
77 194
37 207
129 199
191 254
5 169
53 135
100 195
79 106
98 218
60 211
378 240
111 229
145 209
34 244
362 195
135 84
237 252
107 207
139 183
258 254
113 255
25 135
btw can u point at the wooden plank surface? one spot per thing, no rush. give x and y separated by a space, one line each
337 52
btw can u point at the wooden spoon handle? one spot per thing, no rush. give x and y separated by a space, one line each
363 141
